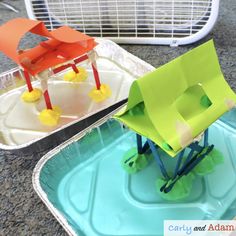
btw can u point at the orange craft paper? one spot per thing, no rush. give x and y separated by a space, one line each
63 44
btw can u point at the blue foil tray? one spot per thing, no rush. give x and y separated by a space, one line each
83 184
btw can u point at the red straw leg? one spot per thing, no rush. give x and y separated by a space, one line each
80 59
28 81
47 100
76 61
96 77
75 69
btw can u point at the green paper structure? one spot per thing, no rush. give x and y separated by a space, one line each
178 101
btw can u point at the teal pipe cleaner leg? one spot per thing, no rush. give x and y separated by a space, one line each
178 164
208 164
180 187
170 183
158 160
136 158
206 138
139 143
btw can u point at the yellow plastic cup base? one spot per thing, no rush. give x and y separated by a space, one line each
50 117
32 96
99 95
71 76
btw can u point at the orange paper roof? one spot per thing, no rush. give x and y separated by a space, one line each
63 44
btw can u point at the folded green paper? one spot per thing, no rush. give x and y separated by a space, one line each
178 101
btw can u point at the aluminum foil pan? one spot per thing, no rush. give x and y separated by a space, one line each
19 123
82 183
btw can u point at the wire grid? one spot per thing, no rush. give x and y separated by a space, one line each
126 18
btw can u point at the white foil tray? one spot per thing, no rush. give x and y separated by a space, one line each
19 123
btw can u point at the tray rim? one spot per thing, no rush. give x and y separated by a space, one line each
128 56
36 172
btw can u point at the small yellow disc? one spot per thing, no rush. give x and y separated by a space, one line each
99 95
32 96
71 76
50 117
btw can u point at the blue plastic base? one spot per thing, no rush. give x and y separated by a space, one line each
86 183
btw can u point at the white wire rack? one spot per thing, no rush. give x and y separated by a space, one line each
173 22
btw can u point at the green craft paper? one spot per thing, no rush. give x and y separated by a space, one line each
166 105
